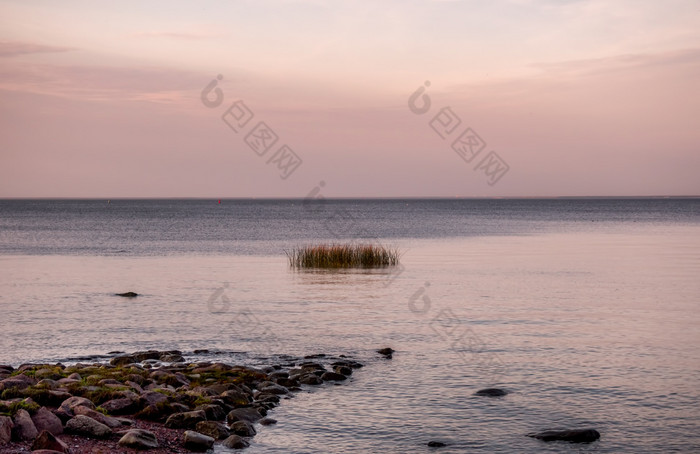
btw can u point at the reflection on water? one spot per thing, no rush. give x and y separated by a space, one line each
589 329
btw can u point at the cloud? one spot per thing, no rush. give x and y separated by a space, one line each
15 48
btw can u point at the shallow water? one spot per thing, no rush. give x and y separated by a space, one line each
589 320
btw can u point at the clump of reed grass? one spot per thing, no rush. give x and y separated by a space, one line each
343 256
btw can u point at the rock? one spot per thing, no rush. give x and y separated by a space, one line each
84 425
68 404
243 429
344 370
436 444
185 420
127 294
47 383
108 421
333 376
274 389
24 426
213 412
235 398
172 359
387 352
154 397
44 420
146 355
214 429
194 441
491 392
122 360
15 382
5 430
248 414
46 440
139 439
310 379
46 451
123 406
235 442
268 421
572 435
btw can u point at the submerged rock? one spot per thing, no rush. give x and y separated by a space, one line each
572 435
127 294
386 352
491 392
235 442
436 444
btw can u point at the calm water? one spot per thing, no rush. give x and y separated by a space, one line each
588 311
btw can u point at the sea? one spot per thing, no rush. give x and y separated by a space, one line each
586 310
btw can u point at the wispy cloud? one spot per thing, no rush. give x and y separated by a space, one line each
15 48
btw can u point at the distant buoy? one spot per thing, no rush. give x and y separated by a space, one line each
219 200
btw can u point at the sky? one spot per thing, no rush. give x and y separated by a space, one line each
380 98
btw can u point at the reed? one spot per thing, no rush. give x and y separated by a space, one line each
343 256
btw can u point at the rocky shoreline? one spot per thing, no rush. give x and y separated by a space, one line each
149 400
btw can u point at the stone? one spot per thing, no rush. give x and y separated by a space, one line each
46 440
185 420
235 398
123 406
572 435
243 428
108 421
274 389
213 412
247 414
194 441
172 359
343 370
127 294
333 376
436 444
24 426
386 352
310 379
44 420
139 439
235 442
268 421
5 430
491 392
214 429
122 360
47 383
68 404
84 425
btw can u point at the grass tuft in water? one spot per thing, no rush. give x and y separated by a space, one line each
343 256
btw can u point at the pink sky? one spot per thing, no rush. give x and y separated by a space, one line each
102 99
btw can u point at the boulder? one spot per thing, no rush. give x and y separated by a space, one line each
343 370
194 441
5 430
122 406
333 376
248 414
268 421
68 404
274 389
243 428
310 379
86 426
122 360
46 440
214 429
213 412
386 352
24 426
44 420
235 442
139 439
571 435
185 420
97 416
